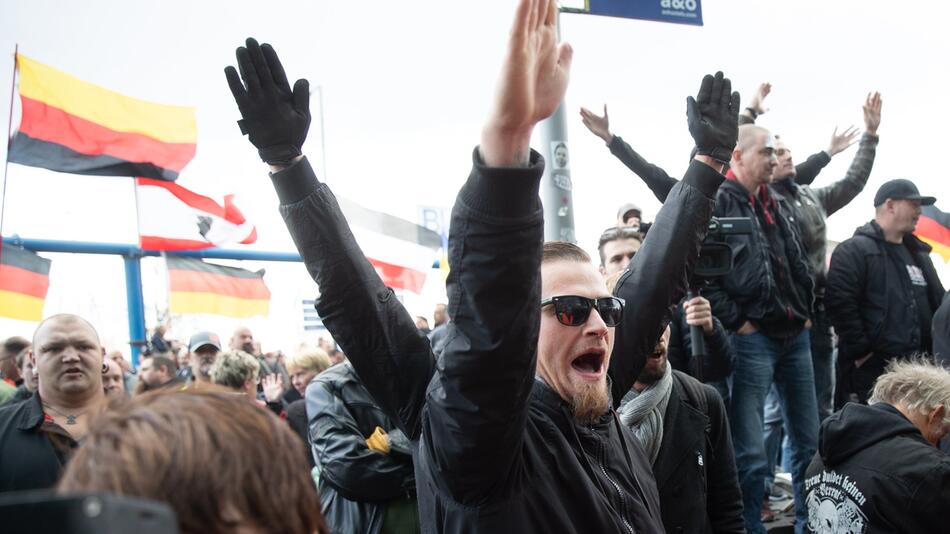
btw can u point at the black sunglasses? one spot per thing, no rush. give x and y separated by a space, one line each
573 310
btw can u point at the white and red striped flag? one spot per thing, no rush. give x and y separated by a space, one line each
174 218
402 252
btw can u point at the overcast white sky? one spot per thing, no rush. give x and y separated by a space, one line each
407 85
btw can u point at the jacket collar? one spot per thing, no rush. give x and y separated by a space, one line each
911 241
31 413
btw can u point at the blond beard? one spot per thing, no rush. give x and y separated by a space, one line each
590 402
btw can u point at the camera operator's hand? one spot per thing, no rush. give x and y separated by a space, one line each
274 117
747 328
713 118
599 126
533 82
699 313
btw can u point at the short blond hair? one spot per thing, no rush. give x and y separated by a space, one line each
312 359
917 384
234 368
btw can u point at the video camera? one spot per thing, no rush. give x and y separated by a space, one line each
715 260
715 256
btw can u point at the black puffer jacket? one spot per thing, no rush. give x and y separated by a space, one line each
870 311
356 483
875 472
497 450
751 292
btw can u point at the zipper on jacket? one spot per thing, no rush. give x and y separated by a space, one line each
623 502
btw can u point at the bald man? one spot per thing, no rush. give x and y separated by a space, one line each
766 302
37 436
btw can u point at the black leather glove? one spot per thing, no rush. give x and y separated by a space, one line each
713 118
275 119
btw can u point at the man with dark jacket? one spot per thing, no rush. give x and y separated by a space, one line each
38 435
495 448
365 464
882 291
877 467
684 430
766 302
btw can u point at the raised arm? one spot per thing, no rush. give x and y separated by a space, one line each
839 194
477 409
656 178
756 105
377 334
658 274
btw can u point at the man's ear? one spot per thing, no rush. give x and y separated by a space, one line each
937 414
31 357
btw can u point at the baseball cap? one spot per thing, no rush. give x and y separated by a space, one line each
900 189
628 207
204 338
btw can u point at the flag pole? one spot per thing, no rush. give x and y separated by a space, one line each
6 160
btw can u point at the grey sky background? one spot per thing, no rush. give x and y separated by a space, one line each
406 87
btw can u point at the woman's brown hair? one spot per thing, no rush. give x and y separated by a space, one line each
223 464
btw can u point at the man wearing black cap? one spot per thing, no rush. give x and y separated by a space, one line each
882 291
203 348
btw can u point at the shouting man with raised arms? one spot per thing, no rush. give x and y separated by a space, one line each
513 427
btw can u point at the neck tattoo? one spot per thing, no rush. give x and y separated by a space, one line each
70 419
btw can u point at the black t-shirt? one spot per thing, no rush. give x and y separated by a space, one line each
907 269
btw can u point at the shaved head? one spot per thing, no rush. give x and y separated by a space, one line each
749 135
63 319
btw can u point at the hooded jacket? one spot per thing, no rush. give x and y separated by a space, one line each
875 472
495 449
870 311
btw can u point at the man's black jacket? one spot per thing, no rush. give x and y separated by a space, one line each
871 312
751 292
499 451
28 459
356 482
696 468
875 472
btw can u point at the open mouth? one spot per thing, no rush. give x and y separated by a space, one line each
73 372
589 365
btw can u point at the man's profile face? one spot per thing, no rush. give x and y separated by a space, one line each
758 160
438 315
28 374
906 214
112 383
202 360
573 360
618 254
152 374
243 339
784 166
67 356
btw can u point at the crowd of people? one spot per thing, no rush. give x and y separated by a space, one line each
554 392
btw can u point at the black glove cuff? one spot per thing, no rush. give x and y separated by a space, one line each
279 155
720 154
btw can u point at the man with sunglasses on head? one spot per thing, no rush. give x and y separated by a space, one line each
514 429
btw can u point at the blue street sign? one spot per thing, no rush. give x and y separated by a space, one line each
675 11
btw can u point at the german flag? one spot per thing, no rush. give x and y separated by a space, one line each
199 287
933 227
73 126
24 280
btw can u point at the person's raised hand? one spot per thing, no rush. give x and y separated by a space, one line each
713 118
532 84
273 386
699 313
274 117
842 141
872 113
757 103
599 126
